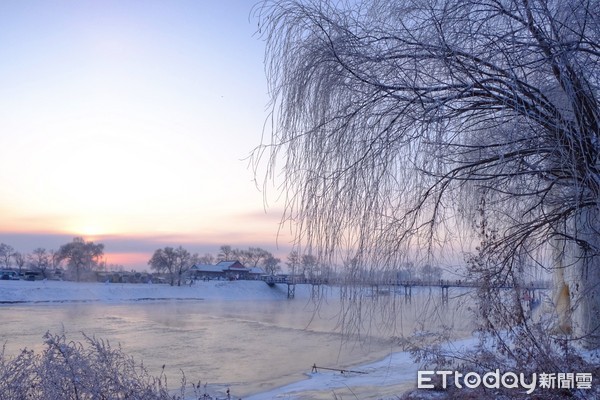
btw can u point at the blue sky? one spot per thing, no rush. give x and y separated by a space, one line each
128 122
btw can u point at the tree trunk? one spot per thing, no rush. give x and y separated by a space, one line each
577 281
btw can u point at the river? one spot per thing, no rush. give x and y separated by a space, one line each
248 346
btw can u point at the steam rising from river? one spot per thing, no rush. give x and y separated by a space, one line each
250 346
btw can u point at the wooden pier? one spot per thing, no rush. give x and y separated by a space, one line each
397 287
272 280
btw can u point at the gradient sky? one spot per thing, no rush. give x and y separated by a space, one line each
128 122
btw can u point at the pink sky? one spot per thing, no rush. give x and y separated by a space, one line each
131 123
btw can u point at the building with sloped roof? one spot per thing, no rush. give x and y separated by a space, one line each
223 270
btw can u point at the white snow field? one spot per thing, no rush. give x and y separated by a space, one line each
62 291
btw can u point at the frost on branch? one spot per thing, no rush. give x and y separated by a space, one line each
74 370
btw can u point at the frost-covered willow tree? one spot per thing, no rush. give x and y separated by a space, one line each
393 121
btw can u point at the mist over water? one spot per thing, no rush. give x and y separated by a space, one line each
249 346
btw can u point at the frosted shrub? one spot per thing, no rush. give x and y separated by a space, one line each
74 370
512 338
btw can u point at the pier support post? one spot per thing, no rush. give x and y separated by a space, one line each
291 290
445 293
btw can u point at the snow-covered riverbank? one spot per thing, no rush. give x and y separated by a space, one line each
62 292
384 379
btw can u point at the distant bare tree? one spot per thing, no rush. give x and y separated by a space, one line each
430 273
174 262
250 257
406 272
225 253
81 255
293 262
19 260
271 265
393 120
256 256
184 262
309 265
40 260
6 255
55 260
207 259
164 261
241 255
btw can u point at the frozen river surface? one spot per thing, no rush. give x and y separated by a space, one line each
248 343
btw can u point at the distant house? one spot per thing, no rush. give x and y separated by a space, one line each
255 273
223 270
206 271
232 265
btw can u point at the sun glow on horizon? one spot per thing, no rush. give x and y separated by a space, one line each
91 232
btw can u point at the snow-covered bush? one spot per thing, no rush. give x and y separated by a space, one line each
74 370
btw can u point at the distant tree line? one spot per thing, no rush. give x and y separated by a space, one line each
176 262
79 257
